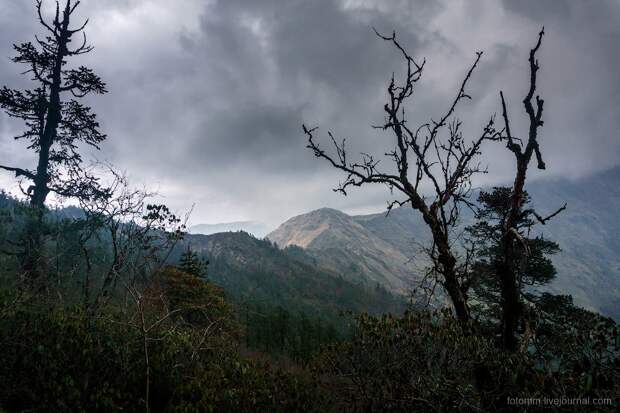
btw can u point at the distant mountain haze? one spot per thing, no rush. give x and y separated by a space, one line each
258 229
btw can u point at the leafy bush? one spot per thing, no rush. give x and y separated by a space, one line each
59 361
423 362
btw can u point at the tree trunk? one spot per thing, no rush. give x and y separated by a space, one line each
40 190
459 301
511 306
507 270
447 268
31 258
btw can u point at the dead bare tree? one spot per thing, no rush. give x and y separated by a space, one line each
140 236
54 126
514 249
434 165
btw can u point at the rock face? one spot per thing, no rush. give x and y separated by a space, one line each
342 244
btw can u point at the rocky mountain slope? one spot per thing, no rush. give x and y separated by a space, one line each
589 234
342 244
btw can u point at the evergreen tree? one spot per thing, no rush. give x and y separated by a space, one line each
55 126
486 237
192 264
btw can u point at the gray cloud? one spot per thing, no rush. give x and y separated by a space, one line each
207 98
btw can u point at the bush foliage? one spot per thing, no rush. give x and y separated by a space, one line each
423 361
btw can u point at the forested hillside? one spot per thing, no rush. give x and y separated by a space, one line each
254 271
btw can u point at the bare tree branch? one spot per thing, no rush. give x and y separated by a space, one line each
422 157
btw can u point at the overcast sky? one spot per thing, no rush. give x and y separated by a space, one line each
207 97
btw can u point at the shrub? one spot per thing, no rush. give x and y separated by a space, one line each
425 362
56 359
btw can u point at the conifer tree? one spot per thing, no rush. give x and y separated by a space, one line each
486 236
192 264
56 122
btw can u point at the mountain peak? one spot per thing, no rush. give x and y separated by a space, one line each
345 246
327 210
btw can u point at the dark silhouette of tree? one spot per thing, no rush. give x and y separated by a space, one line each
434 155
515 248
55 125
487 237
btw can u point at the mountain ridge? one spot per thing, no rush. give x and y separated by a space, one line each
588 265
256 228
255 270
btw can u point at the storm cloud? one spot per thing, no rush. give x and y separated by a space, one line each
207 97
